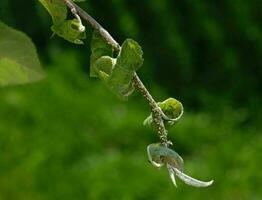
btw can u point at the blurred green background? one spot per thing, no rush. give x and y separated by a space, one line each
68 137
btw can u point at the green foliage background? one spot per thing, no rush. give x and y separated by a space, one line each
68 137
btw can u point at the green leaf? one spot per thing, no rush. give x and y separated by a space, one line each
116 73
130 57
99 48
67 29
129 60
172 108
56 9
11 73
19 62
103 67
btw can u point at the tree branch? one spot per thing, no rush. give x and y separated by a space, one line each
158 115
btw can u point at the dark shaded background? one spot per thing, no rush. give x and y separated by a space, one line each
67 137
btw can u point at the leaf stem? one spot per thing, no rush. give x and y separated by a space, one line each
158 115
81 27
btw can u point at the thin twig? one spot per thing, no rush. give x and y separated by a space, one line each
94 24
156 110
158 115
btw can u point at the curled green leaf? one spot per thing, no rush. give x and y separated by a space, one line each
129 60
99 48
69 30
103 67
116 73
130 57
160 155
173 110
